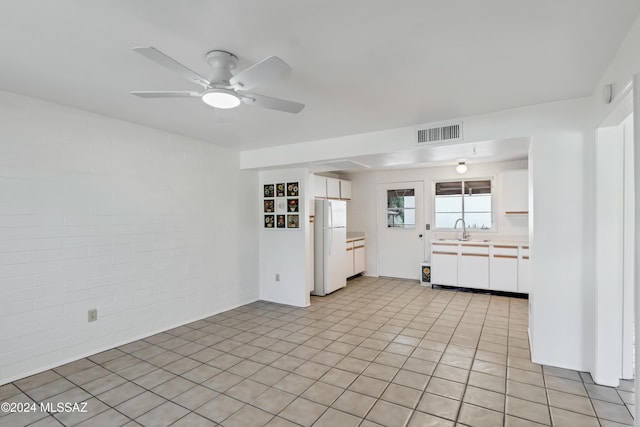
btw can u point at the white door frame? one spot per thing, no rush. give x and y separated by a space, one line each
615 236
636 181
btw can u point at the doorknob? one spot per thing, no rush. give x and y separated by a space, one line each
420 236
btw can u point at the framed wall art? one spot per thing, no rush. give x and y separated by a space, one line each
293 221
281 205
292 189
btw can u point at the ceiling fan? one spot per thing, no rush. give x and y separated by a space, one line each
223 89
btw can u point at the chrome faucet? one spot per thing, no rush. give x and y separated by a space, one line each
465 231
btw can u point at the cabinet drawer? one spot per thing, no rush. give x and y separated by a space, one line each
350 246
475 249
448 248
505 250
358 243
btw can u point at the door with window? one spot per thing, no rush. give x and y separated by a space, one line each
400 229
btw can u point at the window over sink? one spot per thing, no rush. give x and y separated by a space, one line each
470 200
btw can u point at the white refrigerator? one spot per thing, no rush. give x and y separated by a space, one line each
330 245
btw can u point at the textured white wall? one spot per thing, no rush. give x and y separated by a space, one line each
152 229
287 252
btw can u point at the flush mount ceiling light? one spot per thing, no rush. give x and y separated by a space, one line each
223 89
221 98
461 168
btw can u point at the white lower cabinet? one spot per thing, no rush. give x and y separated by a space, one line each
355 257
524 280
504 268
499 267
349 271
358 256
444 264
473 266
473 271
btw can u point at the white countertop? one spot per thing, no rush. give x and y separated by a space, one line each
355 235
488 241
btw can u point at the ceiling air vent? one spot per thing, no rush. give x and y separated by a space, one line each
441 133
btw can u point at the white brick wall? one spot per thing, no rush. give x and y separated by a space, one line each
152 229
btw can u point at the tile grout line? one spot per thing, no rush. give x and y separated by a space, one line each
472 359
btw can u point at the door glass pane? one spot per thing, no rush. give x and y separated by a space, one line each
401 205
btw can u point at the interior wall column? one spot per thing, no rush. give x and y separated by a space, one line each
636 155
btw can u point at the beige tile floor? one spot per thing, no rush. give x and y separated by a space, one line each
380 352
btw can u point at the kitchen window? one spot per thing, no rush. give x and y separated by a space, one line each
401 208
470 200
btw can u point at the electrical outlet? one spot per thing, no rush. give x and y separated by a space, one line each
277 277
92 315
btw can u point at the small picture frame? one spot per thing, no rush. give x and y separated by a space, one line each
268 190
292 205
281 221
269 221
269 206
293 221
292 189
281 205
280 190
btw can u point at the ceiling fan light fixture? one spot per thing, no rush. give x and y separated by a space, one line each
461 168
221 98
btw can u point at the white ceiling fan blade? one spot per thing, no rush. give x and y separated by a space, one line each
272 103
265 70
165 94
160 58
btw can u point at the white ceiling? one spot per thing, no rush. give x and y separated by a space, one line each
359 65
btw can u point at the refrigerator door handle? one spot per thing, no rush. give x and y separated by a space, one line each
330 226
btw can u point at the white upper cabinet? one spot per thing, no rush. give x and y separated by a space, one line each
515 191
320 187
331 188
345 189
